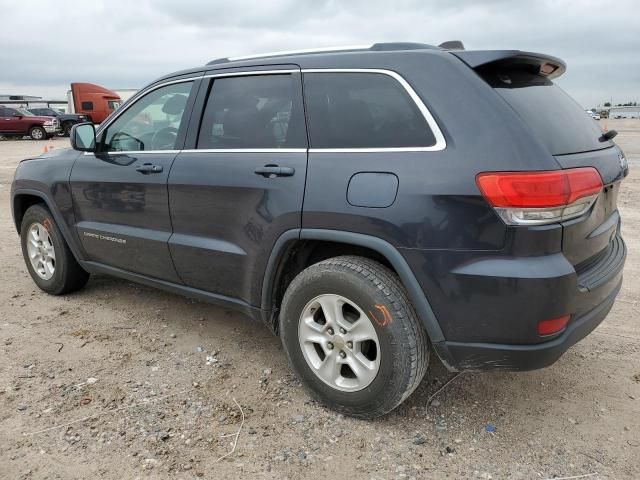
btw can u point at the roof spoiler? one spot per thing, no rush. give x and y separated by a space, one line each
546 65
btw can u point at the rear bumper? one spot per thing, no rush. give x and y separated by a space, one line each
489 356
489 307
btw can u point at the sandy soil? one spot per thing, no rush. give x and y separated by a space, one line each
122 381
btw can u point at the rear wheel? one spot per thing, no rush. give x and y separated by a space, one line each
48 258
353 337
38 133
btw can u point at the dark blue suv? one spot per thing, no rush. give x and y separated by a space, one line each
366 204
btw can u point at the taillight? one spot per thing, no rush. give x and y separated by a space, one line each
554 325
535 198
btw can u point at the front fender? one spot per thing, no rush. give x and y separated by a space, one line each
47 178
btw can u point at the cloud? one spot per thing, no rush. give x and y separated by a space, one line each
123 44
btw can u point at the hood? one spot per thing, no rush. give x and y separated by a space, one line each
41 118
52 154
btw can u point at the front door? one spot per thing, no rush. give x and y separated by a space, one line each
239 183
11 121
120 192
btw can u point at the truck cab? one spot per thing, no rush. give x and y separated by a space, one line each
93 101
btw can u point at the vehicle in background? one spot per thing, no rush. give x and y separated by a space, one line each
604 113
67 120
593 115
18 122
93 101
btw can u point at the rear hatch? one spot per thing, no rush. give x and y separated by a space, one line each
523 80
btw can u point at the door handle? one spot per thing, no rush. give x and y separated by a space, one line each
149 168
271 171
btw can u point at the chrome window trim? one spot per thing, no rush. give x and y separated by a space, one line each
245 150
440 144
132 152
123 108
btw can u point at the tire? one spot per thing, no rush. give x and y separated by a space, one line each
61 275
359 286
66 129
38 133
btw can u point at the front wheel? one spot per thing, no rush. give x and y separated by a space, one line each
66 129
37 133
48 258
353 337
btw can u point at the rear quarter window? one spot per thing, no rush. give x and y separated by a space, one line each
557 120
362 110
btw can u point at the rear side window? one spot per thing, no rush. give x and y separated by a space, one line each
557 120
257 111
87 105
362 110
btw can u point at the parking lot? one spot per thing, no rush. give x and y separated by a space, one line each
122 381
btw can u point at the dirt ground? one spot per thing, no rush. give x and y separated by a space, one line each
122 381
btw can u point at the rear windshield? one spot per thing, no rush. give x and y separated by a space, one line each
553 116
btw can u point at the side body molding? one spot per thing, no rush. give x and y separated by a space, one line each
416 295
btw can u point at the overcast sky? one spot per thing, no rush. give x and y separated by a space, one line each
45 45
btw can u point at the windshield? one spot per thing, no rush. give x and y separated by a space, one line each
25 112
554 117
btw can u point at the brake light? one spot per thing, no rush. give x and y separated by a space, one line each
555 325
534 198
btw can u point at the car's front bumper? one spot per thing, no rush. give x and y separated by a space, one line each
52 128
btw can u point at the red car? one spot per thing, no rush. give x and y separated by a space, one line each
18 122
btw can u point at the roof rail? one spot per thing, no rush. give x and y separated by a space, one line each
376 47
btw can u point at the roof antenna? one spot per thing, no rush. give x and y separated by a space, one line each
452 45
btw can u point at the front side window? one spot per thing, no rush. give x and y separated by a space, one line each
362 110
257 111
151 123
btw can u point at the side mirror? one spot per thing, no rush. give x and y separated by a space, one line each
83 137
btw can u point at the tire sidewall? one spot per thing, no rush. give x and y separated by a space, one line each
44 133
38 214
393 373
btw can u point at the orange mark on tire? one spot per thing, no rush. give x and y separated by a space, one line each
383 318
46 224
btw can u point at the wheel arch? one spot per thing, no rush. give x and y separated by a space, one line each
289 244
22 199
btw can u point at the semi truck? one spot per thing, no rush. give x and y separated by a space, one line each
93 101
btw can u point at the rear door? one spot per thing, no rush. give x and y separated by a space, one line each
120 192
239 183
